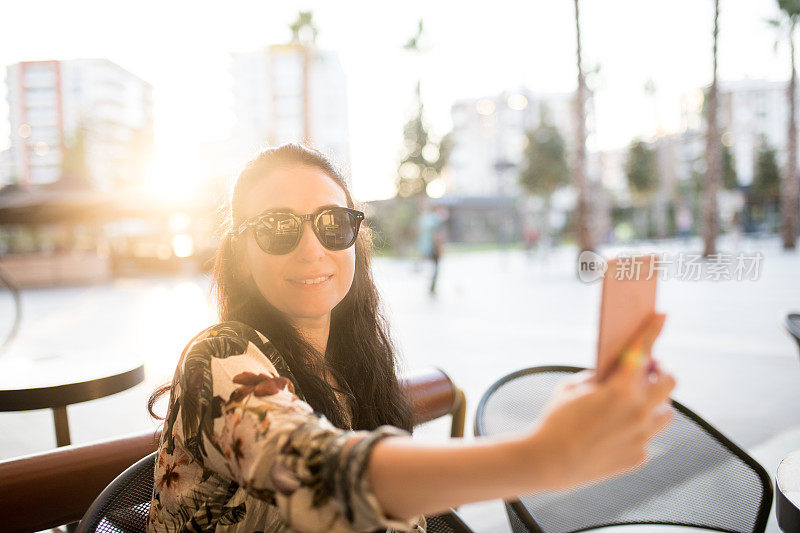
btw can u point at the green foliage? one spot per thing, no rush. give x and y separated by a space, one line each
304 31
413 43
545 161
423 159
790 7
766 181
641 169
729 178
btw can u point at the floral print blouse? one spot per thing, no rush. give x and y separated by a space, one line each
242 451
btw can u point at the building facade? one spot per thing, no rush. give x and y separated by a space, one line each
749 111
81 121
292 93
489 139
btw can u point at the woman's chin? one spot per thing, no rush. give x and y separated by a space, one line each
316 312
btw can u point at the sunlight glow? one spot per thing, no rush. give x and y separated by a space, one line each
436 188
517 102
485 107
182 245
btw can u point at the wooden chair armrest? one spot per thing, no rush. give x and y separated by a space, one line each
433 394
48 489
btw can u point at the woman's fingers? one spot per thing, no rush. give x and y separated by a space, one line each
662 416
629 371
658 389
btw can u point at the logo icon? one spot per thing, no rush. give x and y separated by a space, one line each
591 266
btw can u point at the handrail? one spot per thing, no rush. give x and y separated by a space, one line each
68 479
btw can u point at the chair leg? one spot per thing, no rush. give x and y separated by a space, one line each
459 415
62 426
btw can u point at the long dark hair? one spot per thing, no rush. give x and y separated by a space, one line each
360 354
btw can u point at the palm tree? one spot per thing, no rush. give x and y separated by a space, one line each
713 157
304 36
790 188
304 31
583 234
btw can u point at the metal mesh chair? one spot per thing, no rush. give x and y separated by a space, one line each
124 505
695 476
792 325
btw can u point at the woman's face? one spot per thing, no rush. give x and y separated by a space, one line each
284 279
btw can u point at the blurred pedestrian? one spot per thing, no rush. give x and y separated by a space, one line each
431 240
684 221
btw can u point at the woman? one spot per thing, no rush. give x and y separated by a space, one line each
288 416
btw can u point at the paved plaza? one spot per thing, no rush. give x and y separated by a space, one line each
495 312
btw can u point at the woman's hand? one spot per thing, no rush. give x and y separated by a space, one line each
591 430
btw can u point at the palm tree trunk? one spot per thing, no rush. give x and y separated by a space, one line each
790 186
582 229
713 157
307 138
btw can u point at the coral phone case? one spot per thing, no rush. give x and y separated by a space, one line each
627 310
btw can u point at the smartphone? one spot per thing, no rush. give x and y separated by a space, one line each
628 317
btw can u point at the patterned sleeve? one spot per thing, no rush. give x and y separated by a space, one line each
241 419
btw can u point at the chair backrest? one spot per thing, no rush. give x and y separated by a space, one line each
695 476
124 505
792 325
68 479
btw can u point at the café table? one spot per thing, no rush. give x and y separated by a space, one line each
54 381
787 497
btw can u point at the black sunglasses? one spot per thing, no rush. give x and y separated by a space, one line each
279 233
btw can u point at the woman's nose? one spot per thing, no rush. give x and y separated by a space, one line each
309 248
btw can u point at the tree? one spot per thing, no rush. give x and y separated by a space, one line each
713 156
765 191
423 158
545 166
304 31
583 233
766 181
790 187
641 171
304 36
730 179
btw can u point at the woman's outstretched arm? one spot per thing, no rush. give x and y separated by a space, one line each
588 431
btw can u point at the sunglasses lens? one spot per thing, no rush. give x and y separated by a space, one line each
277 234
336 229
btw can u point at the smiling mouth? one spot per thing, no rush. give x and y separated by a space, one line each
312 282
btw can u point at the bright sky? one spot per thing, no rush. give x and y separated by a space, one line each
476 49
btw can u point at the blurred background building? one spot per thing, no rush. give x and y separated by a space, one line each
292 92
489 138
750 112
88 122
